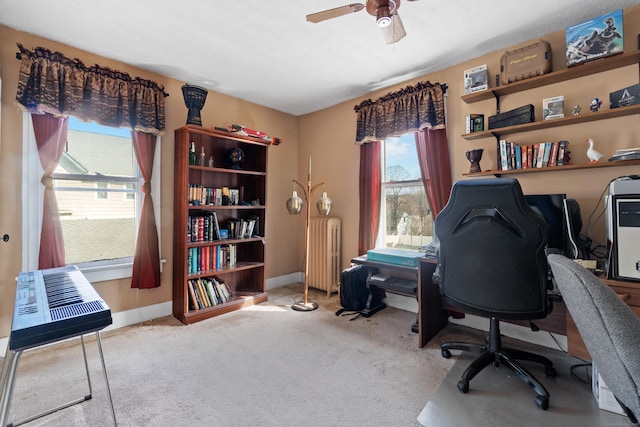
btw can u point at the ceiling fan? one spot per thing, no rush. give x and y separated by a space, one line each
385 11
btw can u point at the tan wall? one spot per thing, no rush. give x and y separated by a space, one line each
219 110
328 137
331 132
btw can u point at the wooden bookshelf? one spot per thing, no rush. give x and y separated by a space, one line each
245 277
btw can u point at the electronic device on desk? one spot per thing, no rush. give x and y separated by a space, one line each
623 228
563 220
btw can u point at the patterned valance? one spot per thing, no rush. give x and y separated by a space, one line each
52 83
408 110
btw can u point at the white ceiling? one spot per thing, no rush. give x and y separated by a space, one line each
267 53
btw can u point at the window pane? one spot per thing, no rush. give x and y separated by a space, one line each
408 218
407 222
401 159
97 202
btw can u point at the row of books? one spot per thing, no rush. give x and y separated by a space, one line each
541 155
205 228
203 259
200 195
207 292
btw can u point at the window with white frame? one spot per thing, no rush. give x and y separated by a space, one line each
99 194
405 215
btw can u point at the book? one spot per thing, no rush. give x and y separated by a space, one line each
553 108
193 302
216 227
475 123
540 155
553 157
547 154
518 157
563 154
503 155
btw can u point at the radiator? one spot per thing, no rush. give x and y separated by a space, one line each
324 254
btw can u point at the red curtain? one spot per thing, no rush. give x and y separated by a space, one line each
370 187
51 137
435 168
146 263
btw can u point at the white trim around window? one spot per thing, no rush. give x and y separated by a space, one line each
33 194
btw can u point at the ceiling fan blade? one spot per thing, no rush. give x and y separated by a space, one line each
394 32
335 12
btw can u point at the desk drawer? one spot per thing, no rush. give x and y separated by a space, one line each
628 293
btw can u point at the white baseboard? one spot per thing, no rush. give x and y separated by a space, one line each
150 312
401 302
287 279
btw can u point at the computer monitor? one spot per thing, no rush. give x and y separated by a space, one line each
553 207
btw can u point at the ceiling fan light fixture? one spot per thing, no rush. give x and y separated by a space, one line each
383 18
394 32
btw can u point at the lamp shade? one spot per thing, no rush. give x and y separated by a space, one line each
324 204
294 204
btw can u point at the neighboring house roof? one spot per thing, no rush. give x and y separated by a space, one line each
89 152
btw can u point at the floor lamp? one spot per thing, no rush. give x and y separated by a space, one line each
294 206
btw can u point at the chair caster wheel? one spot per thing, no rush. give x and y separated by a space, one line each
446 353
550 371
542 402
463 386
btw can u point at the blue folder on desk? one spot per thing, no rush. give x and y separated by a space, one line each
395 256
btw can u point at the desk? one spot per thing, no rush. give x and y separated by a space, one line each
431 315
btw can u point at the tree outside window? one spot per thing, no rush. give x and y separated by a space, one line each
406 221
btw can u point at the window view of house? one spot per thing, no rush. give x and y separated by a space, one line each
406 221
97 184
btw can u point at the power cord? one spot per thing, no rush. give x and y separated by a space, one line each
587 372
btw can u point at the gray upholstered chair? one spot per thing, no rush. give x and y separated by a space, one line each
609 328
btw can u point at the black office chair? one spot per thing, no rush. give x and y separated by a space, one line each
492 263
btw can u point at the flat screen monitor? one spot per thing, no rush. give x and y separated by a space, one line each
553 208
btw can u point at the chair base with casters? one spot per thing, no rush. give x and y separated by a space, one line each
494 353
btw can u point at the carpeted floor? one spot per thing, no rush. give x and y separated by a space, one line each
269 365
263 366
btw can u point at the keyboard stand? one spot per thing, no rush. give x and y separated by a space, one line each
7 382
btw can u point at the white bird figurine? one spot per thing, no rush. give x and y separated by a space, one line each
592 153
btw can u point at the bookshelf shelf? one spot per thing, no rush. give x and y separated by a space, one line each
547 124
200 258
586 69
499 173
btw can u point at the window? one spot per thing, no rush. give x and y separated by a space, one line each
99 193
406 221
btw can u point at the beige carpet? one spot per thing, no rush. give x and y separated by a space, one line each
263 366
